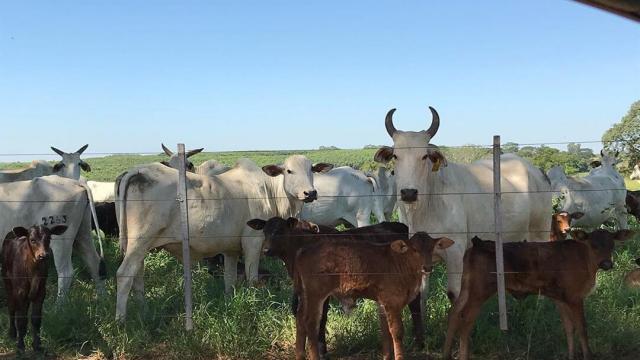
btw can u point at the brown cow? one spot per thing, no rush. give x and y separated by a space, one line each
389 273
24 271
561 224
632 202
564 271
283 239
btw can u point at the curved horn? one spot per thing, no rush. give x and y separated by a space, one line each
82 149
57 151
388 122
193 152
166 151
435 122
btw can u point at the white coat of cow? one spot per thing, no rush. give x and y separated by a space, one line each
456 200
219 208
600 195
211 168
102 191
68 167
635 174
347 194
52 200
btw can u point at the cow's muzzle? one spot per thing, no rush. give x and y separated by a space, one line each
606 265
409 195
310 196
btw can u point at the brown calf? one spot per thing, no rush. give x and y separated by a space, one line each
564 271
24 271
633 203
390 274
561 224
283 239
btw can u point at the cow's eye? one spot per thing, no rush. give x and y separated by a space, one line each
289 171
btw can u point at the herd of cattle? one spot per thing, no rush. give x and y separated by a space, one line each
290 211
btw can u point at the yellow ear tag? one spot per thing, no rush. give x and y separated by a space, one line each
436 165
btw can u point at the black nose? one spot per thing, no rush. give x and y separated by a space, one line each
409 195
42 256
310 195
606 265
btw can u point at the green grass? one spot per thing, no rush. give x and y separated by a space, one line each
255 322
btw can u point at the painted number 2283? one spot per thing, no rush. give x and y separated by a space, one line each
54 220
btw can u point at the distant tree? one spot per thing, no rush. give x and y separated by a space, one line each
510 147
624 136
329 148
370 146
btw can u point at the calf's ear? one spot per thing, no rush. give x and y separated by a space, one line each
399 246
623 235
579 235
19 231
443 243
58 229
321 167
256 224
84 166
383 155
273 170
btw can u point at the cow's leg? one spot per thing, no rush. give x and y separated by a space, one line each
322 334
415 307
301 331
138 286
453 260
130 267
565 315
251 249
469 315
394 320
621 217
230 272
463 314
21 322
385 335
84 244
363 217
577 312
313 306
12 315
36 320
64 266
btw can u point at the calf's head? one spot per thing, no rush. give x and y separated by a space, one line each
70 164
561 222
298 171
414 157
424 244
174 160
281 235
601 244
38 239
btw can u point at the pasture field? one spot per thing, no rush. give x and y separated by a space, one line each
256 322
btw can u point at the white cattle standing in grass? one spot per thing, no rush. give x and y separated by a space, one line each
600 195
219 208
68 167
456 200
52 200
346 194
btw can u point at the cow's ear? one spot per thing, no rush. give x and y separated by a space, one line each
443 243
58 229
256 224
321 167
292 222
57 167
623 235
437 158
84 166
577 215
595 163
273 170
579 235
19 231
383 155
399 246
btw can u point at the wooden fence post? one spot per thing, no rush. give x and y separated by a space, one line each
502 303
184 220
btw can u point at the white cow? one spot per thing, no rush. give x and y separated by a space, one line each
69 167
387 195
51 200
456 200
635 175
600 195
346 194
174 161
102 191
219 208
211 168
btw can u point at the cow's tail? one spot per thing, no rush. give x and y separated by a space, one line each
121 201
102 267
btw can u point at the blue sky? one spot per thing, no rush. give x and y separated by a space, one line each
124 76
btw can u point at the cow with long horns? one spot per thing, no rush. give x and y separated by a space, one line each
448 199
68 167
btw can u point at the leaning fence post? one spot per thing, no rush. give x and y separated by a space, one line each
184 231
502 303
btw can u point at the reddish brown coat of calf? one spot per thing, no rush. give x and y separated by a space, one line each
564 271
633 203
24 271
389 273
561 224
